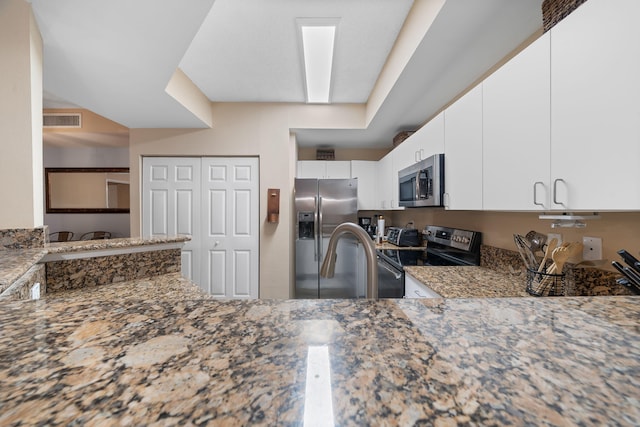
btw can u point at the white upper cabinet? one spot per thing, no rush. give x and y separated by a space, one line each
427 141
324 169
463 152
516 132
366 172
387 184
595 107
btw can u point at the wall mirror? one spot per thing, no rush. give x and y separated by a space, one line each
87 190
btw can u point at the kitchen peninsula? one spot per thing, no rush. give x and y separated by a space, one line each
158 351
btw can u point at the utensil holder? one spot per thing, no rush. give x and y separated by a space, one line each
545 284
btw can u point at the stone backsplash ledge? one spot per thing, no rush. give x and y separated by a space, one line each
586 281
89 272
24 238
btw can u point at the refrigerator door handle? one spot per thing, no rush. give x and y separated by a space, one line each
319 232
315 228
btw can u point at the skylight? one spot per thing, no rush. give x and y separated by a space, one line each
317 45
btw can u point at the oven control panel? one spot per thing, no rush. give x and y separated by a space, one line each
452 237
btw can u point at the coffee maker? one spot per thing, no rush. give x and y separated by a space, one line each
365 222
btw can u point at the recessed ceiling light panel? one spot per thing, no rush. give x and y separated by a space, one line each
318 41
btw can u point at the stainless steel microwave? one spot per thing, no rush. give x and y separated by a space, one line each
422 184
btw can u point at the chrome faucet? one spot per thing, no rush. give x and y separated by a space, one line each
329 263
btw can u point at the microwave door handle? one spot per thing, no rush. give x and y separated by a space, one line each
417 197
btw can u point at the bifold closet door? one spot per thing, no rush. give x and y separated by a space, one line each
171 204
216 201
230 225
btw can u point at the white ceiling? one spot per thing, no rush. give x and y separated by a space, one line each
115 57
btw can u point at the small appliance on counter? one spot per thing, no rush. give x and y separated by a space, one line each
403 236
365 223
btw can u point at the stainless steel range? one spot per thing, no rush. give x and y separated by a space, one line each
445 247
452 246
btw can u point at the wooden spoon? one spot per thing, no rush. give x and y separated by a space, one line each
559 256
551 246
562 254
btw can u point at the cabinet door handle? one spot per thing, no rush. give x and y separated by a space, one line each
418 293
555 192
415 157
445 200
535 193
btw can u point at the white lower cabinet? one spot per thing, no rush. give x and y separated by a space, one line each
413 288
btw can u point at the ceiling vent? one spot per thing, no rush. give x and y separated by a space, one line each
62 120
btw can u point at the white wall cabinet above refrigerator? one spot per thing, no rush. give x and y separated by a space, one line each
595 107
463 152
516 131
324 169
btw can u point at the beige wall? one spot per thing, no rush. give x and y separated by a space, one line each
261 130
618 230
21 170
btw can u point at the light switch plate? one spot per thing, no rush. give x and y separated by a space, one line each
592 248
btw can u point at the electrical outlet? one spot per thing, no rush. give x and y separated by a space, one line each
554 236
35 291
592 248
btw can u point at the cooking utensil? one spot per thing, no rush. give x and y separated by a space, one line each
525 251
562 254
628 273
630 259
550 248
536 240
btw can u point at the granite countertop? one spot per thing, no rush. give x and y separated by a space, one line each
387 245
469 282
15 262
136 355
92 245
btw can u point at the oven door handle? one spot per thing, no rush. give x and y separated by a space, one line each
382 263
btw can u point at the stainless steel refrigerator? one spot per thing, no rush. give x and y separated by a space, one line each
320 206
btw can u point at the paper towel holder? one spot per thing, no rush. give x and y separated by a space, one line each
273 205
